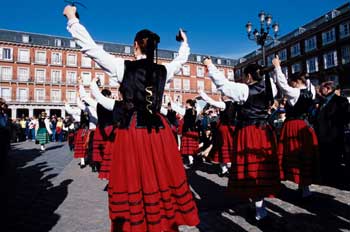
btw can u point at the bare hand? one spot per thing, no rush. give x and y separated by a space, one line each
70 11
80 80
276 62
207 61
183 35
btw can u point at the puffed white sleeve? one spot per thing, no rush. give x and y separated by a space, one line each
175 65
106 102
81 104
210 101
238 92
85 97
70 110
47 125
112 65
291 93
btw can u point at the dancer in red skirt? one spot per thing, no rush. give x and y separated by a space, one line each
254 173
223 142
82 133
148 190
298 146
190 137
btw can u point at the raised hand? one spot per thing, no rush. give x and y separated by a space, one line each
183 35
276 62
70 12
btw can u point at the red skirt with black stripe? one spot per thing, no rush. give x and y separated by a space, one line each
107 155
223 144
189 143
298 153
255 171
148 188
99 143
80 143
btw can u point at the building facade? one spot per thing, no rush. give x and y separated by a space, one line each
320 48
39 72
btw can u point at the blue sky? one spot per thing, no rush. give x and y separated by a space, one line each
214 27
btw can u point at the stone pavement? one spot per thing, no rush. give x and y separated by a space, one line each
49 192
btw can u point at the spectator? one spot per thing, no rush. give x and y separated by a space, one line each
59 131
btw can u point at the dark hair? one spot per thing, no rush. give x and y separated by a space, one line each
148 42
106 92
255 70
298 76
329 84
191 102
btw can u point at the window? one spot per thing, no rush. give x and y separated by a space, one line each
269 59
127 49
40 75
71 77
186 84
101 76
330 59
333 78
312 65
230 75
71 96
238 73
345 55
86 76
72 44
56 76
166 99
285 71
40 57
200 71
58 43
5 93
177 84
186 70
295 50
85 62
97 66
328 36
6 73
22 94
219 61
296 67
6 54
199 58
23 74
25 38
213 88
56 95
228 62
23 55
40 95
222 71
282 54
56 58
200 85
310 44
344 30
71 60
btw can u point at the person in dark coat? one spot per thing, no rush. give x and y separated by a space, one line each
331 119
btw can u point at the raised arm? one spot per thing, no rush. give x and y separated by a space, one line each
112 65
175 65
85 97
106 102
291 93
238 92
210 101
80 104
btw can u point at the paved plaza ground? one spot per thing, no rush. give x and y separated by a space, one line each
47 191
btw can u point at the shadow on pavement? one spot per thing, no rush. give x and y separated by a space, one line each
27 193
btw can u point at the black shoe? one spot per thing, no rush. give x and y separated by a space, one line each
82 166
226 174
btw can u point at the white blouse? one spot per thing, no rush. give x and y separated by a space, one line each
291 93
219 104
238 92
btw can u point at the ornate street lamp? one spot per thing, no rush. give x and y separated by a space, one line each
263 35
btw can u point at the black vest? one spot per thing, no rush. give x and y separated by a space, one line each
228 116
301 108
189 120
142 90
257 104
171 116
42 123
84 120
104 116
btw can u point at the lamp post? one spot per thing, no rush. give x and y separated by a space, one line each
263 35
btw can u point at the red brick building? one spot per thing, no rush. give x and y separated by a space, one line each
38 72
